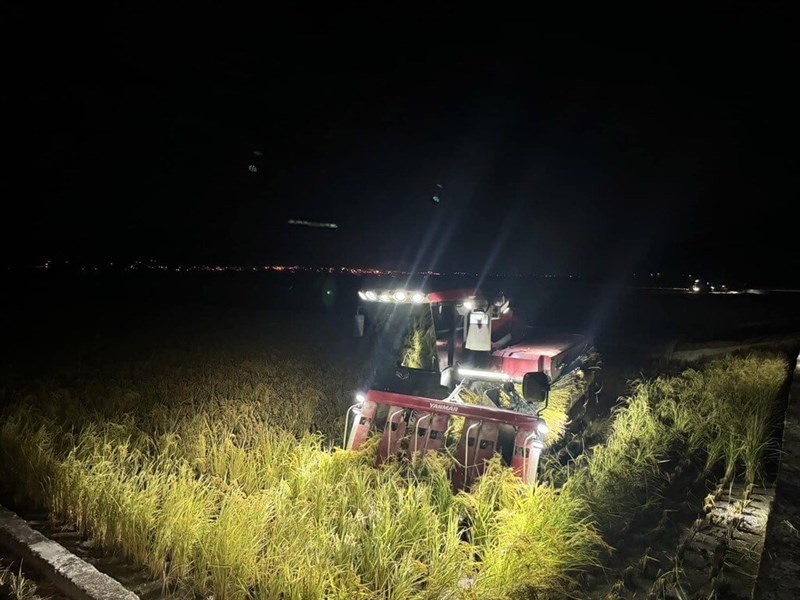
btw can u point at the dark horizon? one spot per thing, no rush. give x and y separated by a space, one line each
194 135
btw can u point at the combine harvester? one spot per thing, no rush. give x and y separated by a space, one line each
441 346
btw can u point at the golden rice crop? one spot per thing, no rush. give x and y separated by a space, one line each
210 470
216 484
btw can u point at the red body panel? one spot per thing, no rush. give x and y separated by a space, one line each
541 350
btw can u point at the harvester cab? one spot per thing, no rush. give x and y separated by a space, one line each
432 351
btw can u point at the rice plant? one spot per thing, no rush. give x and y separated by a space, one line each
213 475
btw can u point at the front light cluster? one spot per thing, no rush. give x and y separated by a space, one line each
397 296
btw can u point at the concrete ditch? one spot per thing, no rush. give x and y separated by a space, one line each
779 571
74 577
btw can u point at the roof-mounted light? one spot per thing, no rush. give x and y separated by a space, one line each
398 296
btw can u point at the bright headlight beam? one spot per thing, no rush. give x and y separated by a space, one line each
384 297
372 296
542 427
469 304
362 295
400 296
417 298
479 374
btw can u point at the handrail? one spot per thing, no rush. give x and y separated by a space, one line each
466 445
389 424
527 458
346 430
416 429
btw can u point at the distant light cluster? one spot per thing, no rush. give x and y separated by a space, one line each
160 266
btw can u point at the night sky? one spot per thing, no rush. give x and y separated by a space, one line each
566 143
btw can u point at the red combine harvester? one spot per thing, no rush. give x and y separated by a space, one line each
440 345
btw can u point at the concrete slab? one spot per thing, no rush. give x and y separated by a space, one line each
779 572
74 577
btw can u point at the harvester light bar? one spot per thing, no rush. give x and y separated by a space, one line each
479 374
398 296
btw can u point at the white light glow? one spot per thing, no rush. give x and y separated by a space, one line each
362 295
469 304
360 397
478 374
384 297
400 296
371 295
417 297
542 428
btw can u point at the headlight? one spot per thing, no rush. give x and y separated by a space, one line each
362 295
384 297
371 295
400 296
469 304
542 427
417 297
360 397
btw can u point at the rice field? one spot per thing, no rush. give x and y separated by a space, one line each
217 468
